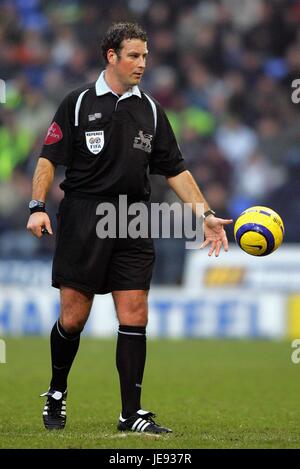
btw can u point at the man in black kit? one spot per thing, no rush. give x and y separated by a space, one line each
108 134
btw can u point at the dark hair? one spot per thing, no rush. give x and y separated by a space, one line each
117 33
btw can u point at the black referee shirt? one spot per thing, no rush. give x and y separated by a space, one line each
109 143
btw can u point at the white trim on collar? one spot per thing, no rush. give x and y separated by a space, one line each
102 88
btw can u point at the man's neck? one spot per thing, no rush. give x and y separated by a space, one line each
114 83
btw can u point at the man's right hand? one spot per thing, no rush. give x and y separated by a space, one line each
37 221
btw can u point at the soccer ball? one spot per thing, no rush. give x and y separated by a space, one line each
259 231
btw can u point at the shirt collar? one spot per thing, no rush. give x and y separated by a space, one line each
103 88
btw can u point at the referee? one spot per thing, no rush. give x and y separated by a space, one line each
108 135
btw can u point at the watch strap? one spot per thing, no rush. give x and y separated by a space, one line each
37 206
207 213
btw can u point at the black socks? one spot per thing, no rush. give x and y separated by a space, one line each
130 360
64 347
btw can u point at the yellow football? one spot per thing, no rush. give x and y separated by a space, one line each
259 231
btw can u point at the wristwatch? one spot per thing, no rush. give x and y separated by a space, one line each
37 206
207 213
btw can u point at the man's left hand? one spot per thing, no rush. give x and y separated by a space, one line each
215 234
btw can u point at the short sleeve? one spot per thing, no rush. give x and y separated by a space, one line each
166 158
58 141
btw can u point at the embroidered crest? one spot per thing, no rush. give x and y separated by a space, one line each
95 141
143 142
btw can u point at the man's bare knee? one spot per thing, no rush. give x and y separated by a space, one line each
75 309
137 314
131 307
70 325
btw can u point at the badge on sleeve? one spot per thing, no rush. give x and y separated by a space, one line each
95 141
54 134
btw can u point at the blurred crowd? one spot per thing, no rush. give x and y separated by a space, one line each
223 71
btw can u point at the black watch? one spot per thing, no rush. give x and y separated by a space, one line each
37 206
207 213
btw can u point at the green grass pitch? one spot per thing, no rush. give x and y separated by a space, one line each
212 393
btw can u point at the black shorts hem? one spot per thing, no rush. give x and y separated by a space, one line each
58 282
132 286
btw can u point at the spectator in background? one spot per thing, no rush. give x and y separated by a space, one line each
285 198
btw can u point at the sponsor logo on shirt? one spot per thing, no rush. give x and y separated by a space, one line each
143 142
54 134
95 141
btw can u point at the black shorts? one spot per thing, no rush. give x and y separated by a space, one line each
86 262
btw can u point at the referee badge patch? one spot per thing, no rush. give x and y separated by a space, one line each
95 141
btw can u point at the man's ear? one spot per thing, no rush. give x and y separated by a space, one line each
111 56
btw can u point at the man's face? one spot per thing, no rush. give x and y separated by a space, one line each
131 61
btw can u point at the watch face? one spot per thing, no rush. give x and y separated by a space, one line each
36 203
33 203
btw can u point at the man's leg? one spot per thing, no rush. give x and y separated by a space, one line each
64 339
65 335
132 312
